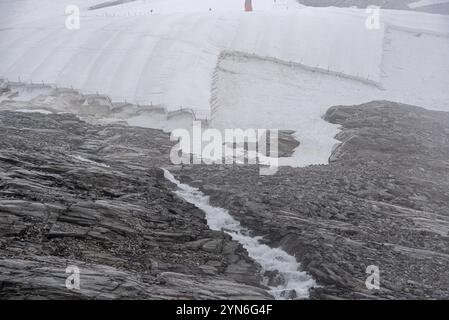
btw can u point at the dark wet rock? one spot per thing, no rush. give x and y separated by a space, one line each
93 196
286 143
274 278
382 200
289 295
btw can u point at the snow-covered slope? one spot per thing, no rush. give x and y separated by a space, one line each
166 52
168 56
424 3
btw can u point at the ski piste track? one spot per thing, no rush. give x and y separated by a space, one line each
169 54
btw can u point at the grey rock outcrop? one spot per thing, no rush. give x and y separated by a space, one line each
382 201
92 196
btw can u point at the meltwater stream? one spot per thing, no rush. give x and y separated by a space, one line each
271 259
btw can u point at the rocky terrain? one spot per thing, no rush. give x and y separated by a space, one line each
94 197
382 201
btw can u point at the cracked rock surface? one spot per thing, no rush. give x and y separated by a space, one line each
77 194
383 200
93 196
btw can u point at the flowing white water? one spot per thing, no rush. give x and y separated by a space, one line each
271 259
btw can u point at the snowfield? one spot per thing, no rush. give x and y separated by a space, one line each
291 63
424 3
168 57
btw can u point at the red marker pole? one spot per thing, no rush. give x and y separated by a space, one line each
248 5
